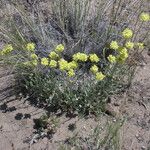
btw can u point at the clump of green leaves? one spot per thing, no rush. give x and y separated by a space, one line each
82 93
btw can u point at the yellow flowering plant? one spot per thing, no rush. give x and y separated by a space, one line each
114 45
53 64
63 65
34 56
127 33
144 17
94 69
73 65
80 57
94 58
123 55
59 48
30 47
44 61
100 76
6 50
53 55
71 73
129 45
140 45
111 58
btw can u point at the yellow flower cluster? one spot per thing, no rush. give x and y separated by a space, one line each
60 48
34 60
30 47
45 61
111 58
94 69
114 45
7 49
53 64
71 73
80 57
53 55
63 65
69 67
34 56
123 55
72 65
140 45
129 45
51 61
127 33
94 58
144 17
100 76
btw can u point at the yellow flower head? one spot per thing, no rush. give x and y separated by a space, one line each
100 76
53 64
127 33
30 47
63 64
94 69
34 56
71 73
144 17
80 57
114 45
123 55
72 65
53 55
44 61
94 58
111 58
60 48
129 45
7 49
140 45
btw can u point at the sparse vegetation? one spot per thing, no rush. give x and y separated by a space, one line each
76 58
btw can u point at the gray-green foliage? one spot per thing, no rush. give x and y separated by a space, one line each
82 93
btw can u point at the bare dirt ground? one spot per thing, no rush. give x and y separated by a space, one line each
17 128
